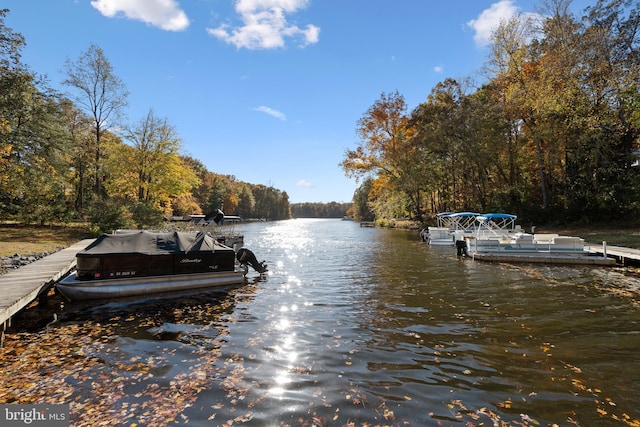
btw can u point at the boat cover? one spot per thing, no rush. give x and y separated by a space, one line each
147 253
150 243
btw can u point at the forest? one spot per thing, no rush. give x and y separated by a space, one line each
74 157
550 135
547 130
320 210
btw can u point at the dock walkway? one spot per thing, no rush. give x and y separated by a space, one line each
18 288
615 255
623 256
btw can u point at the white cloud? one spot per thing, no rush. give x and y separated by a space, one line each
438 69
304 183
270 111
164 14
489 19
265 25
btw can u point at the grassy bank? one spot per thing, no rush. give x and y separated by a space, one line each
29 239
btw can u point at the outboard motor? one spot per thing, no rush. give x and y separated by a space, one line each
217 216
246 257
461 246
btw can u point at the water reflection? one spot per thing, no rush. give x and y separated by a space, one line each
352 326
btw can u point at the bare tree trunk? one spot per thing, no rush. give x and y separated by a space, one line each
542 172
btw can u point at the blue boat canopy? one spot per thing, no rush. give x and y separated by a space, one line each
490 216
464 214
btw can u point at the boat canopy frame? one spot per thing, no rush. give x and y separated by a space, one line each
457 220
496 223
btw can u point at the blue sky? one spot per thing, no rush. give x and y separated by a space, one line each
267 90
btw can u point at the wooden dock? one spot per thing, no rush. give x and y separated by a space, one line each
623 256
18 288
543 258
604 255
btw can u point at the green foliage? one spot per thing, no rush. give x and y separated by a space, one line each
361 204
246 202
112 214
217 193
270 203
146 215
45 201
109 214
33 140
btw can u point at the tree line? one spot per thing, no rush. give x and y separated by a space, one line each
551 134
74 156
321 210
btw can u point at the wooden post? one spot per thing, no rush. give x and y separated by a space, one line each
2 329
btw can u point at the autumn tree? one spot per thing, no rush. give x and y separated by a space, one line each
498 179
387 148
80 133
201 192
101 95
440 135
162 174
149 169
185 205
518 68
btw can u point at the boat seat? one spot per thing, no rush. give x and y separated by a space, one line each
523 237
567 240
545 238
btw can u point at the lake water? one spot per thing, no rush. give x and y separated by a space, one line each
351 327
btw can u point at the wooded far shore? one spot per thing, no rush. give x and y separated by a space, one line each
35 239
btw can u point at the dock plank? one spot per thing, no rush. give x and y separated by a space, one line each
18 288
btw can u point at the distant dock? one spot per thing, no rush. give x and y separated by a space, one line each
20 287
